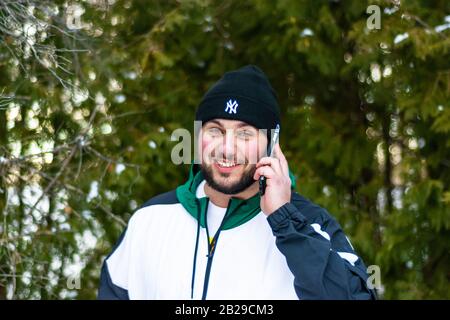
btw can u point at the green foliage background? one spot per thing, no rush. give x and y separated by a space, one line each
366 123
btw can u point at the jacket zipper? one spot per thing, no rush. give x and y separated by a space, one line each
211 250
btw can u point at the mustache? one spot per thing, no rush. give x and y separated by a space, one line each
238 160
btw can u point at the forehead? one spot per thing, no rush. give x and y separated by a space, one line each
228 124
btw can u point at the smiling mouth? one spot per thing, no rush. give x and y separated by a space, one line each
226 164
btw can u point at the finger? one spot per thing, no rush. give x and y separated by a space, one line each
274 163
283 162
265 171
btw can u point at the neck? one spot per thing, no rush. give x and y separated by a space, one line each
221 199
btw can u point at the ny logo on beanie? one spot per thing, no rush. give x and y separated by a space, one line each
231 106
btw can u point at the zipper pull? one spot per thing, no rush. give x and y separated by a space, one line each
211 247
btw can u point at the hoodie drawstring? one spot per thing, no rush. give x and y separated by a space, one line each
196 245
211 247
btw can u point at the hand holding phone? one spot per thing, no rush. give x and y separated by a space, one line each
274 141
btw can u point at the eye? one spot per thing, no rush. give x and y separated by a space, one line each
245 134
214 131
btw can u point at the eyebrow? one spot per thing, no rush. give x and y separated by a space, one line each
239 125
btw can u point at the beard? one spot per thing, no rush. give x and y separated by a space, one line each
237 187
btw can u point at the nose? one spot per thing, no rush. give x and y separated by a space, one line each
229 144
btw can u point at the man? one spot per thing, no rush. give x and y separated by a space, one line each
216 237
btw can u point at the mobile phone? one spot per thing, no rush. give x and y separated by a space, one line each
274 141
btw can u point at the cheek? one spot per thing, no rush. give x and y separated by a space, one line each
262 146
207 147
253 147
208 144
250 151
205 143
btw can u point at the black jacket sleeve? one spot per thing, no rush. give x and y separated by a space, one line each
107 289
319 255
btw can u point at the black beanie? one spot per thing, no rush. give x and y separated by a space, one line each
244 94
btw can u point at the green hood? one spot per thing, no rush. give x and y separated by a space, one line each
239 211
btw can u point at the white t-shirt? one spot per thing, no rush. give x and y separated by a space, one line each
215 213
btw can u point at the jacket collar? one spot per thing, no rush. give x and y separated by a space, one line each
239 211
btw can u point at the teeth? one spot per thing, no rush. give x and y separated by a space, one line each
226 164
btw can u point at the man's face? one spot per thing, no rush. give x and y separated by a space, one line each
230 151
